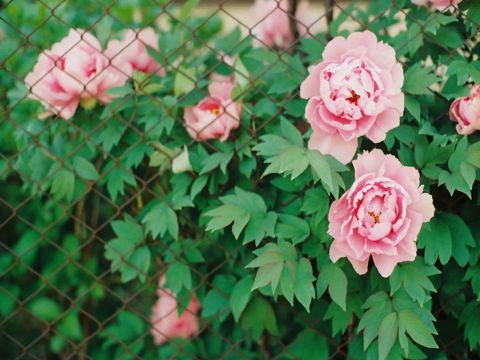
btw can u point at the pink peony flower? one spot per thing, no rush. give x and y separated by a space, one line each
166 324
465 112
380 215
74 69
131 53
272 22
354 91
216 115
439 4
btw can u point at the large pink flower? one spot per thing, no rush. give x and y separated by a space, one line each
216 115
380 215
131 53
272 22
354 91
465 112
73 69
439 4
166 324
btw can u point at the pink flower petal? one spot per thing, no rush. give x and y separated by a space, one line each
334 145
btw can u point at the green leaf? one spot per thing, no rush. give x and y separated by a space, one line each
462 238
70 326
292 227
85 168
288 156
187 9
63 185
259 316
178 276
291 160
45 308
473 274
246 211
471 320
126 256
321 167
116 180
277 263
332 277
418 79
309 346
472 155
137 265
413 278
436 239
128 229
379 306
415 38
454 181
270 260
304 290
416 329
160 220
241 74
413 107
387 335
316 201
185 81
198 185
437 20
290 132
450 37
216 160
214 303
241 296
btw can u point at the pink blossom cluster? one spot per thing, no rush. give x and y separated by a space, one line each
77 71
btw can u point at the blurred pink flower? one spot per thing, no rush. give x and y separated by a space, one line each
465 112
74 69
131 53
167 324
355 91
380 215
439 4
272 22
216 115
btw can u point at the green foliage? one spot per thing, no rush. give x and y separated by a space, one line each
127 251
247 212
278 264
287 155
93 217
333 278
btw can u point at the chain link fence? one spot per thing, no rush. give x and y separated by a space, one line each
60 295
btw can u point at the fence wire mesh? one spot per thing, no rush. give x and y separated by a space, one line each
59 295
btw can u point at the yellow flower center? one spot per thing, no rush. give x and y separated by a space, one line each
376 217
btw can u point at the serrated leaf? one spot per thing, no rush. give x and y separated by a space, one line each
462 238
259 316
387 335
418 79
416 329
160 220
292 227
178 276
304 290
379 306
85 168
333 278
63 185
240 296
436 239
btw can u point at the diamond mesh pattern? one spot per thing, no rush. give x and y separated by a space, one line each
59 296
